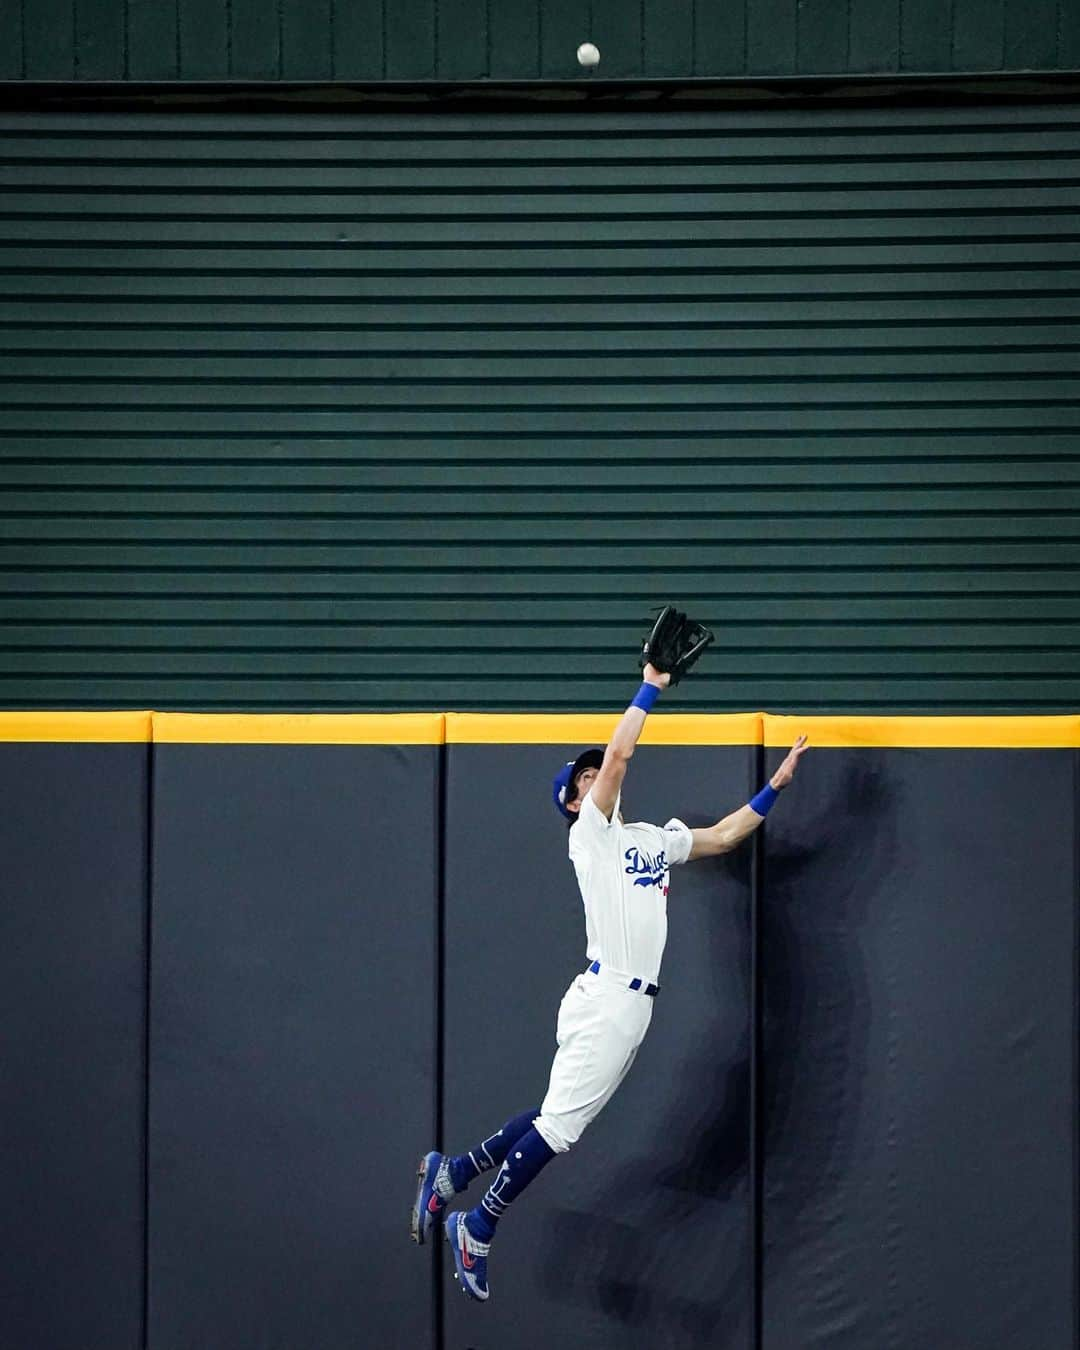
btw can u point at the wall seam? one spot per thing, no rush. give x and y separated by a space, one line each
756 1127
148 913
1004 32
1076 1049
693 37
1059 24
847 36
441 795
900 36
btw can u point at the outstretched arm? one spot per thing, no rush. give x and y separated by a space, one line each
728 833
608 781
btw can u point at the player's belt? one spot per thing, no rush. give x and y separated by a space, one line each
651 989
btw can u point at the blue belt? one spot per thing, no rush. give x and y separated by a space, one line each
651 989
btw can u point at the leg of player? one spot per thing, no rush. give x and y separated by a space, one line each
440 1177
470 1234
598 1034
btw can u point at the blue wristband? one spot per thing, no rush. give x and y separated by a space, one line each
764 800
646 696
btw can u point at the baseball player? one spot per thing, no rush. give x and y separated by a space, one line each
622 871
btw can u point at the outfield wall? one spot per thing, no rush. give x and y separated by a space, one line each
254 965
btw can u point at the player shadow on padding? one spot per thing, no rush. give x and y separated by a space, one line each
675 1264
818 1010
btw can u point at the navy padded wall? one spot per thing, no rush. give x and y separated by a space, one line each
919 953
73 845
293 1043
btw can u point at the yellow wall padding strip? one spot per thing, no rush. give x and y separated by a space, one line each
925 733
299 728
585 729
573 729
73 727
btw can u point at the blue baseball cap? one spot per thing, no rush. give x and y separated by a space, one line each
588 759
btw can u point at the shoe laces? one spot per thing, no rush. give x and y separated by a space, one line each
472 1245
443 1185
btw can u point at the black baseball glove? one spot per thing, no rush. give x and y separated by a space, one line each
674 644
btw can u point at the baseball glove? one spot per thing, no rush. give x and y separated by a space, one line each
674 644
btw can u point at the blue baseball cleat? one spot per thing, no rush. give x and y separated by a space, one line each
429 1206
470 1257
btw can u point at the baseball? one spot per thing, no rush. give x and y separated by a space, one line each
588 54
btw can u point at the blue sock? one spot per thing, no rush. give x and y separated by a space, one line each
467 1166
525 1160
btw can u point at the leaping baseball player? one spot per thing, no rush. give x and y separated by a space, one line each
622 871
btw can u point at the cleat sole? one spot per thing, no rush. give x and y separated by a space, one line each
419 1222
416 1230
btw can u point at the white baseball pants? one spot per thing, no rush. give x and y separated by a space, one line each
601 1024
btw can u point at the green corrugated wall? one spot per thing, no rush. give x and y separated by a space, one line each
451 40
401 411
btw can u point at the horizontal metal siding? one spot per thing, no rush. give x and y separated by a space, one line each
451 40
402 412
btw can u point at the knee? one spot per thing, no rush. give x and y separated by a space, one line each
559 1134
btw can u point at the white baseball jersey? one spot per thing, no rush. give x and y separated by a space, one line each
623 874
623 871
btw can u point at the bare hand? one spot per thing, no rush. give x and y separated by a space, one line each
653 676
786 772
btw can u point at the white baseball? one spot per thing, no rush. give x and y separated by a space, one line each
588 54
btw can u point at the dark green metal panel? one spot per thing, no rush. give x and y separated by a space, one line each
772 37
1068 29
100 37
359 41
455 40
153 41
514 33
720 39
48 48
1031 35
411 40
626 30
926 36
307 47
667 37
874 35
13 44
398 411
978 38
823 32
254 40
465 58
204 36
